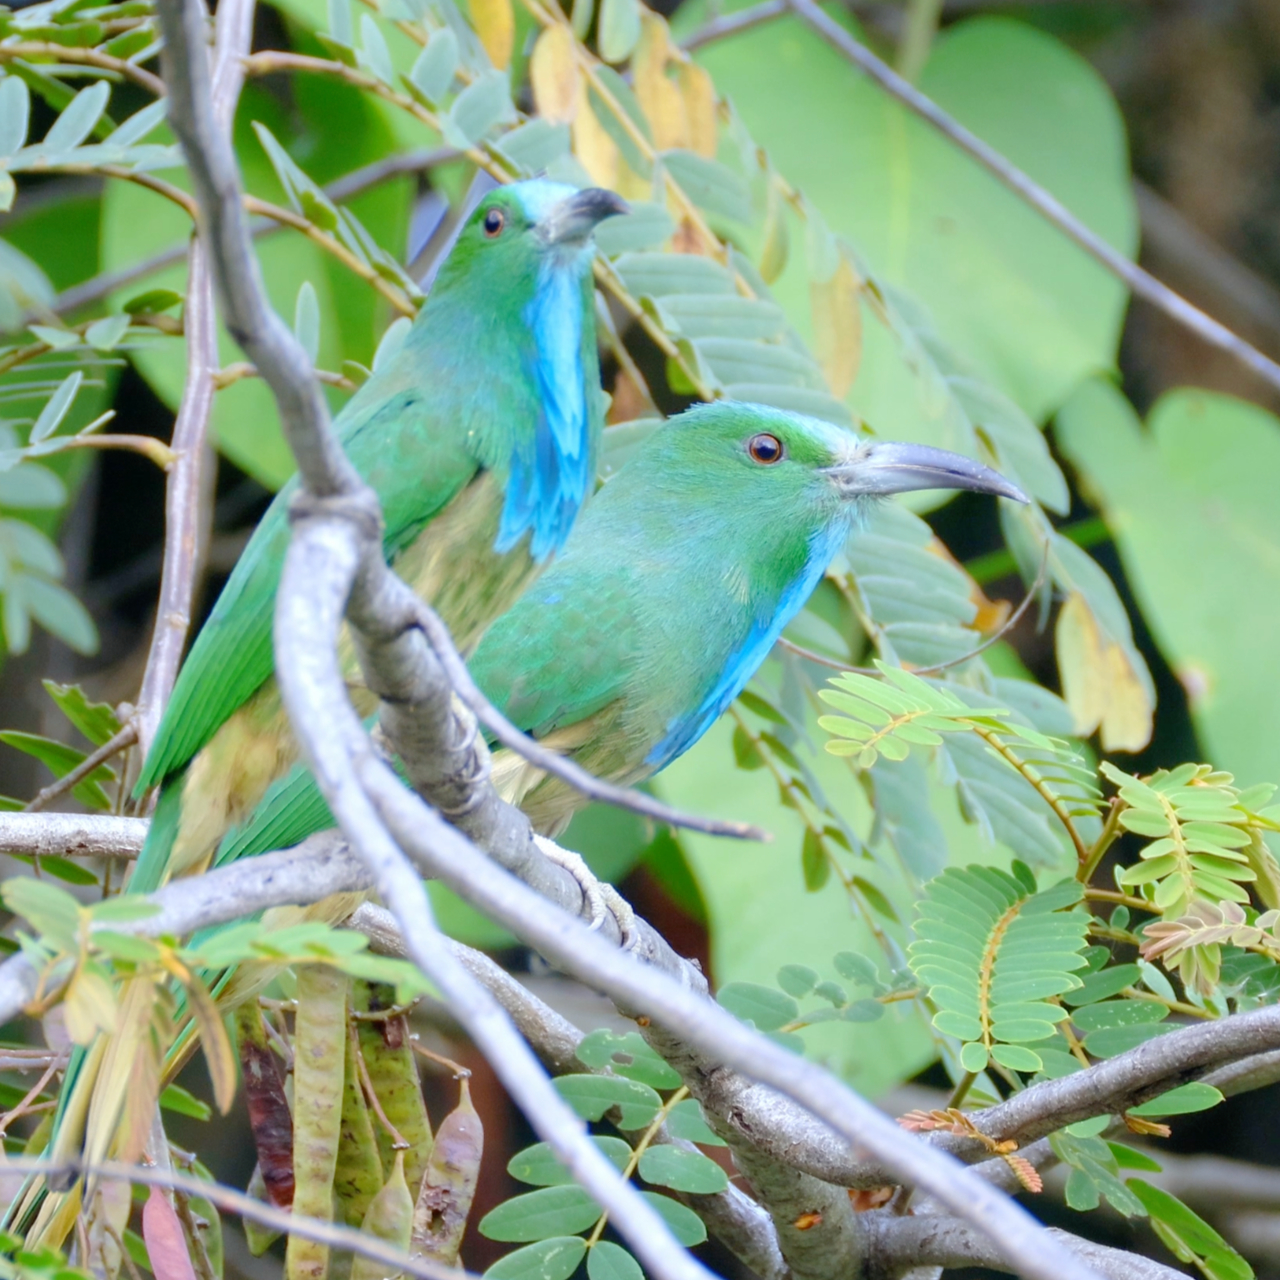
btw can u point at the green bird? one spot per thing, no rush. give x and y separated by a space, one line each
479 437
671 591
676 584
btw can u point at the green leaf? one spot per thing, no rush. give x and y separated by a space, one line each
1162 500
306 319
1188 1234
15 111
1102 985
619 29
152 302
1181 1101
56 406
709 184
61 759
685 1225
538 1166
627 1055
98 721
105 334
767 1007
591 1096
540 1215
175 1098
681 1170
797 979
685 1120
51 911
436 66
608 1261
1130 1158
483 104
554 1259
66 870
77 120
126 907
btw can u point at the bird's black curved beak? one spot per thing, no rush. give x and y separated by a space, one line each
576 217
884 467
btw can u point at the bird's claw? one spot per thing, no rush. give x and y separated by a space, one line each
600 899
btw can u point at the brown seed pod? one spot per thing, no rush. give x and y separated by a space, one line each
449 1184
269 1116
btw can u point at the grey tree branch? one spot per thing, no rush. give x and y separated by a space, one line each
1142 283
185 513
71 835
902 1243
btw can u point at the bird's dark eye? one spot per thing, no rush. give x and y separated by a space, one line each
765 449
494 221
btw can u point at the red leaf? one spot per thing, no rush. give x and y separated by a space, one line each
166 1245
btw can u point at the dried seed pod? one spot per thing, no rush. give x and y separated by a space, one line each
389 1219
358 1177
319 1040
449 1184
393 1073
258 1237
269 1117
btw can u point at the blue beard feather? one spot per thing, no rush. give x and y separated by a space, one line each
761 636
549 484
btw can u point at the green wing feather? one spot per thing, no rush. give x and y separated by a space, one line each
567 649
388 438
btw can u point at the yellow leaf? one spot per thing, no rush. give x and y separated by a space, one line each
218 1054
90 1005
594 148
554 75
660 100
495 24
837 325
119 1070
1099 682
699 93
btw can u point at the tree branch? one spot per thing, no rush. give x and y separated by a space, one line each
71 835
186 515
1142 283
929 1240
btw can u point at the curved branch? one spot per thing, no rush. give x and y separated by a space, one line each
85 58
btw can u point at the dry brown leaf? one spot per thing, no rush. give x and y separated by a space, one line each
837 326
555 76
1148 1128
699 93
495 24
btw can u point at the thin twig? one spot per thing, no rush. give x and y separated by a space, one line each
187 518
117 743
552 762
347 187
25 1106
1008 625
1143 284
85 58
732 24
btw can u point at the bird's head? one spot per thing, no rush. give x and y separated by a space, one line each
517 231
772 456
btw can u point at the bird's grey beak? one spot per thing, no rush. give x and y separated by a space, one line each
576 217
884 467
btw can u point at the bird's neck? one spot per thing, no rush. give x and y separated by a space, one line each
528 400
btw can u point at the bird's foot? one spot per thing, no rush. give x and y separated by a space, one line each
601 899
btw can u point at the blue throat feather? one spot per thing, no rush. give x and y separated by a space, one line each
762 635
546 489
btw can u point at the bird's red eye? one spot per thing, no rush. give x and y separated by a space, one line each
765 449
494 221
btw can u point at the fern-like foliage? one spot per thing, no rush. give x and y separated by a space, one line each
991 950
1198 833
885 718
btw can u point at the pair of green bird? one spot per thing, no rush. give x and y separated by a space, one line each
480 437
